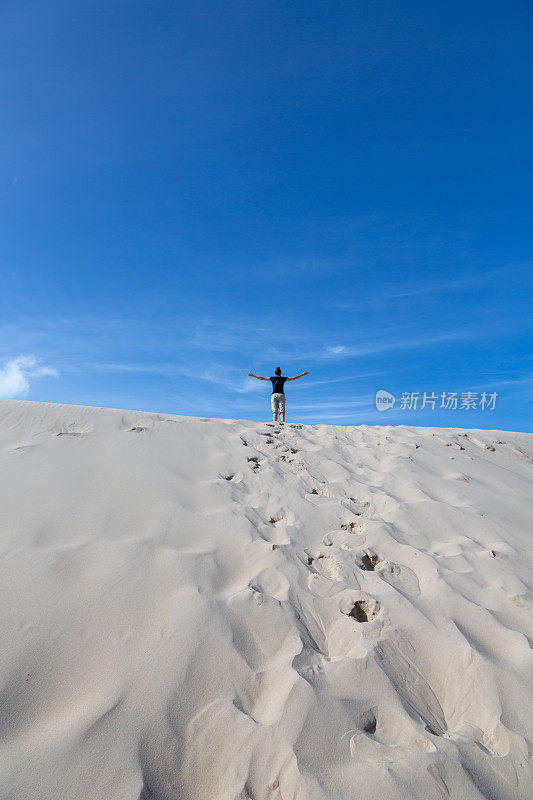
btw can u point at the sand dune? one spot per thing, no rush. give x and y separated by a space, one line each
217 610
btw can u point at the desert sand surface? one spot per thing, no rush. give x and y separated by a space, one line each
198 609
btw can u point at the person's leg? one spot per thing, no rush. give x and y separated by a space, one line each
274 407
282 408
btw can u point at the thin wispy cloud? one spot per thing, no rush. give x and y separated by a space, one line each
521 387
225 334
16 374
110 366
219 374
341 379
389 344
234 384
477 280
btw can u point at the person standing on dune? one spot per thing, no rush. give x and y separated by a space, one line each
277 398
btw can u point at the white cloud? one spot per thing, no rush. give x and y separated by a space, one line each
391 343
15 375
224 377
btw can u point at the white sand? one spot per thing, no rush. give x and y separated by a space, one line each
176 598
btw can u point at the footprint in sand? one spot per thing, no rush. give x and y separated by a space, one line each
333 568
369 562
321 586
271 582
401 578
365 610
362 507
367 721
353 527
254 462
274 533
343 539
269 439
309 664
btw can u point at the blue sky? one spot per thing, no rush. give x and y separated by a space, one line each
190 191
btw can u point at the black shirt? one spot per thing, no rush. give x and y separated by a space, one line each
277 384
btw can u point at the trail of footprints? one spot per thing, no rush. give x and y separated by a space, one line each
340 562
337 565
345 560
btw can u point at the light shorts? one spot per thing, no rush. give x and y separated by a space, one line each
277 403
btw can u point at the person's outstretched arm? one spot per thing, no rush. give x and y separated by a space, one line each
298 376
259 378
